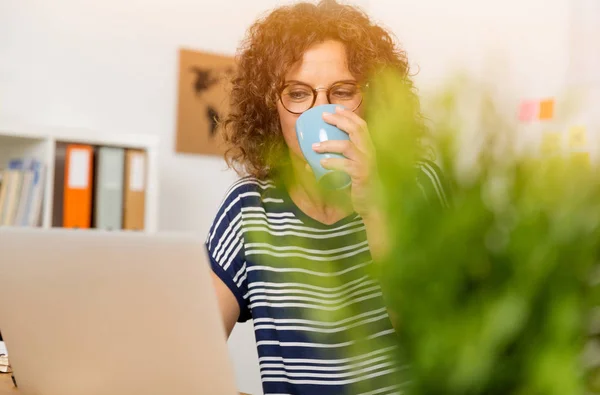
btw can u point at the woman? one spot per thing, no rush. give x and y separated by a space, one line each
278 241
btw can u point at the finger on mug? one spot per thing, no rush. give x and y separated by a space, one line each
343 123
359 131
339 164
344 147
354 117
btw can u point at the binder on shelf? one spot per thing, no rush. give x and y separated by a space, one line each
108 210
77 201
59 185
134 205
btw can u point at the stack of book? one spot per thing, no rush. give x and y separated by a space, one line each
4 364
22 192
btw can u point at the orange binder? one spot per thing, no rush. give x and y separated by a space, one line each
77 200
134 199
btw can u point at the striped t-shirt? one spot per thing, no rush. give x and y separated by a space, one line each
320 320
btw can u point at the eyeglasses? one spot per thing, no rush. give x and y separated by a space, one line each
297 97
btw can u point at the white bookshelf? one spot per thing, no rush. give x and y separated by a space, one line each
40 143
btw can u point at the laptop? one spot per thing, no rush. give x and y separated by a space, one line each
89 312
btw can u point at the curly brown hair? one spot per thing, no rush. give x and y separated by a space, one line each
273 44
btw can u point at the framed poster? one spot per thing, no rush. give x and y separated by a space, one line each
202 101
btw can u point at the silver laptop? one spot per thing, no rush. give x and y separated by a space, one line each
87 312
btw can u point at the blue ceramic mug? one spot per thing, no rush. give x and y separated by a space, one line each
311 128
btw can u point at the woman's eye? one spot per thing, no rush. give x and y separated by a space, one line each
344 94
298 95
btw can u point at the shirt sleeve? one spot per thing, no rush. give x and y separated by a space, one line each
433 184
225 246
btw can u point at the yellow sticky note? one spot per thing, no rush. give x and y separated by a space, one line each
546 109
581 159
577 137
551 143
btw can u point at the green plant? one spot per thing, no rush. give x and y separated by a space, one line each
492 293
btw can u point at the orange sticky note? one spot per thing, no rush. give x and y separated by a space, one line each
551 143
546 110
577 137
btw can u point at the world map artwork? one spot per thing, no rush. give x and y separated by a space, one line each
203 101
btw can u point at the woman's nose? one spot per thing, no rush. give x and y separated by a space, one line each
321 99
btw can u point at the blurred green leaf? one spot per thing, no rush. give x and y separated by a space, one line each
493 293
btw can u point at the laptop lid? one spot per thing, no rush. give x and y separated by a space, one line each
86 312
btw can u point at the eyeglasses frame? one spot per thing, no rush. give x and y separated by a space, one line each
317 90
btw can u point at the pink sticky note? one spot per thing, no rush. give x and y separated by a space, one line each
528 110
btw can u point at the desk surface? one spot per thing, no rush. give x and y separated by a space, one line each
7 387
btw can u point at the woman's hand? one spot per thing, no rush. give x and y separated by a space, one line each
360 164
359 161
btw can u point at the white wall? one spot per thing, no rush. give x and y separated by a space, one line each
519 46
584 70
112 66
530 36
